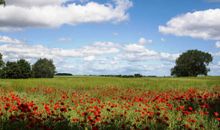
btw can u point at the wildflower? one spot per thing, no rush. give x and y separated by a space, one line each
216 114
190 108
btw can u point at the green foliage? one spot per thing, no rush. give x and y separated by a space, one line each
1 61
1 65
17 70
192 63
25 69
43 68
2 2
21 69
122 101
11 70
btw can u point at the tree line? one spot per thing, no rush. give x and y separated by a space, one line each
189 63
22 69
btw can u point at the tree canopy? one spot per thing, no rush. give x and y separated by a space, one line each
25 68
1 61
22 69
11 70
16 70
43 68
192 63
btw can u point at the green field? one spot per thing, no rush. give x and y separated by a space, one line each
110 103
90 82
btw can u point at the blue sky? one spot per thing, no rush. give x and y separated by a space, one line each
110 36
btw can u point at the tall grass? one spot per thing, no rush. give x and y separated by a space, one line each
91 82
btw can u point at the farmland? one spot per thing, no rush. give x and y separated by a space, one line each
110 103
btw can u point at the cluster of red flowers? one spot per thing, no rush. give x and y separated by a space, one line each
109 108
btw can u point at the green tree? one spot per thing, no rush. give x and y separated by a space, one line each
43 68
192 63
25 69
16 70
1 65
11 70
2 2
1 61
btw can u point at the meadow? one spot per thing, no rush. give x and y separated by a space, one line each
110 103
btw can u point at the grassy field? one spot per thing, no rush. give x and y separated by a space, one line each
91 82
110 103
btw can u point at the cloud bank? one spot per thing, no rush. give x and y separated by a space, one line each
199 24
21 14
95 58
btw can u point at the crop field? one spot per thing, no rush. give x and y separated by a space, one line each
109 103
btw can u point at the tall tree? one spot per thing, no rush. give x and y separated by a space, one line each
25 69
1 65
43 68
192 63
16 70
11 70
1 61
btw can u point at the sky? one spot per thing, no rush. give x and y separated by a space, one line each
110 36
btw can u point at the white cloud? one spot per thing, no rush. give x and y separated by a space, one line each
28 3
89 58
19 15
214 68
217 54
100 48
5 39
14 50
143 41
134 48
96 58
217 44
137 52
199 24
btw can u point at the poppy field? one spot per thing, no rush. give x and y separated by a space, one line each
99 103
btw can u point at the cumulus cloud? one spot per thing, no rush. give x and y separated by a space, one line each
18 15
137 52
199 24
28 3
95 58
143 41
5 39
217 44
13 51
131 52
214 68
